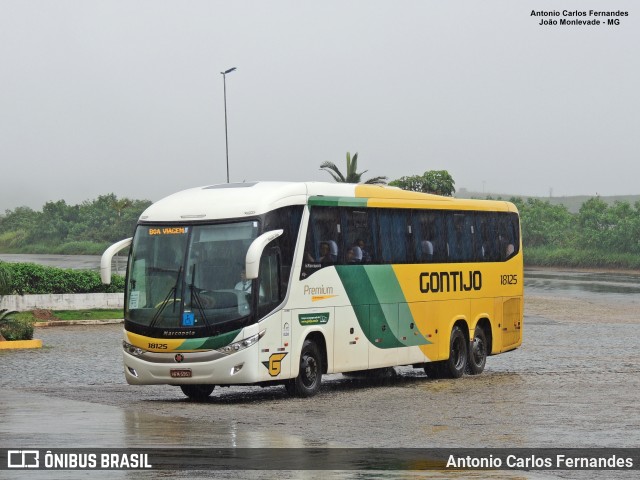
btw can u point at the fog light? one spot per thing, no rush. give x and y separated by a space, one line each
132 371
237 368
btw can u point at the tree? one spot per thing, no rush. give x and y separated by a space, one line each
107 218
438 182
56 221
544 224
352 176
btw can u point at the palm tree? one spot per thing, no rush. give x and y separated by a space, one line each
352 174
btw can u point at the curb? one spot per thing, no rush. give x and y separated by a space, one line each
15 344
65 323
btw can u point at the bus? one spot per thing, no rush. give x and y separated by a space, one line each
271 283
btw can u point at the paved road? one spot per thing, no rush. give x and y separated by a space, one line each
570 385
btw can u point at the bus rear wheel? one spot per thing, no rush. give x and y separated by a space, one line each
477 352
197 392
307 383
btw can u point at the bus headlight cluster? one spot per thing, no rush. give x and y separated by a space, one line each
242 344
133 350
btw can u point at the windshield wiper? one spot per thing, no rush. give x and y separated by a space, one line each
174 292
196 296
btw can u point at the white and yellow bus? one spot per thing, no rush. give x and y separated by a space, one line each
266 283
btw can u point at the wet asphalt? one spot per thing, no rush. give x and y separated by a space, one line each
571 384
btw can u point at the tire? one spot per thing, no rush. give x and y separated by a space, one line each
478 350
197 392
309 378
455 366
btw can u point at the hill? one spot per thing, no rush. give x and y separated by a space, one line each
573 203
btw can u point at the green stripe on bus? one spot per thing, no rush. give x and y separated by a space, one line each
380 306
209 343
337 202
376 320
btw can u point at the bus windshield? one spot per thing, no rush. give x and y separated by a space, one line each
189 277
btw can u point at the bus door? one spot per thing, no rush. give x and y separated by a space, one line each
275 346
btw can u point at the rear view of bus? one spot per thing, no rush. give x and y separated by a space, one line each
226 284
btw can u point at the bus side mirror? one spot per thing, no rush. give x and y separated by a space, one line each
105 261
252 261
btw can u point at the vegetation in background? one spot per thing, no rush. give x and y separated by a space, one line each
30 278
88 228
598 236
5 279
352 175
53 315
15 327
438 182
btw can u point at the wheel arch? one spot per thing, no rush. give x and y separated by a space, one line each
487 327
460 322
318 338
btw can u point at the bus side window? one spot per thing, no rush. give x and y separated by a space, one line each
507 236
288 219
323 231
393 235
429 236
357 235
269 292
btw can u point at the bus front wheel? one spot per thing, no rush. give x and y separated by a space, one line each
307 383
197 392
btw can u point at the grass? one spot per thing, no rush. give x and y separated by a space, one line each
568 257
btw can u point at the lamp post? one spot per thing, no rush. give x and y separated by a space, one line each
226 136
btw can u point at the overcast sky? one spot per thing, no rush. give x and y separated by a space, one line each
127 96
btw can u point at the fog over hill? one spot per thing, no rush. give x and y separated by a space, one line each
573 203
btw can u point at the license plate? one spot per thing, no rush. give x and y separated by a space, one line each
180 373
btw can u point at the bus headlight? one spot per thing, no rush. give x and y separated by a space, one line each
132 349
242 344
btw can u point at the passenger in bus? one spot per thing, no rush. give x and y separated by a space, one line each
353 255
366 256
506 248
328 252
426 251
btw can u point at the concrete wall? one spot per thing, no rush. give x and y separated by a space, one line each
67 301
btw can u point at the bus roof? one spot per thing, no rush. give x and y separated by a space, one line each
238 200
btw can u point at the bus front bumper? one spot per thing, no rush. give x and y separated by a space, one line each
235 368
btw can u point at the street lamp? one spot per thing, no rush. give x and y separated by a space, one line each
226 136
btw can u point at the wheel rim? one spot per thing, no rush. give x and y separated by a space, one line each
457 353
478 351
309 371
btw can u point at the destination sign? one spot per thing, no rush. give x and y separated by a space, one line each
168 231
